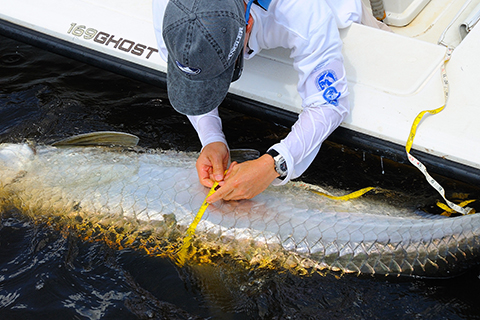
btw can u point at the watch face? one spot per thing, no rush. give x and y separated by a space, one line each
283 166
280 165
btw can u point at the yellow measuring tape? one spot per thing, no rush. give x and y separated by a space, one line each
413 130
182 253
448 211
318 190
346 197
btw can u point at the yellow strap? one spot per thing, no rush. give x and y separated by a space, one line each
349 196
415 124
182 253
448 211
413 131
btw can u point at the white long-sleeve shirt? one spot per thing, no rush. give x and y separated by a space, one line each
310 29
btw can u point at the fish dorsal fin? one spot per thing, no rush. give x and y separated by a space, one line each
100 138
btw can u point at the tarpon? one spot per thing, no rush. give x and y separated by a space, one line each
287 226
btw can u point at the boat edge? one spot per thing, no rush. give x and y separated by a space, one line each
341 135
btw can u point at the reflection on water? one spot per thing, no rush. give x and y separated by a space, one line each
48 273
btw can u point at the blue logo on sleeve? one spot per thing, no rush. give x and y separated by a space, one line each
326 79
331 95
324 83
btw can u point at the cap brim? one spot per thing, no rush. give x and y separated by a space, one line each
196 97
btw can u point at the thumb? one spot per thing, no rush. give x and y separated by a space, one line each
218 169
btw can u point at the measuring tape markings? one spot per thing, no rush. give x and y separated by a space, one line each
411 136
448 211
182 253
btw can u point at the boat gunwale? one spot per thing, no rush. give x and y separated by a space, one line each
341 135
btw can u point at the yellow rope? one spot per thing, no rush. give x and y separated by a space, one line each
346 197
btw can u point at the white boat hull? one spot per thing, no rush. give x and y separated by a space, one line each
392 76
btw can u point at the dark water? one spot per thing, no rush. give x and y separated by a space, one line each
46 273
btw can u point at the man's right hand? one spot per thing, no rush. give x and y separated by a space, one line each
212 163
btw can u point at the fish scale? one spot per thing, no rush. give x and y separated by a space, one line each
361 236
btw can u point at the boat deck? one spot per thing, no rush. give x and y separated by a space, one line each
438 22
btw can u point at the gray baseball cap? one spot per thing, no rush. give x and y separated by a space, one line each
204 39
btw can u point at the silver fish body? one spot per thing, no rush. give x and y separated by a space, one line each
358 236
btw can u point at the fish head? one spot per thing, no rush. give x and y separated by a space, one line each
14 159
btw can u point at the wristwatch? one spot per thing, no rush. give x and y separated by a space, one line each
280 163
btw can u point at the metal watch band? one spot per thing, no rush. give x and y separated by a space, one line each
280 163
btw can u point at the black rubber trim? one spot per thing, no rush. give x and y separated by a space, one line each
253 108
397 153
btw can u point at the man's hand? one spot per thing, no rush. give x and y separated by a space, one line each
246 180
212 163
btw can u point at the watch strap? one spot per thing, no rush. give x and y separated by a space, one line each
280 163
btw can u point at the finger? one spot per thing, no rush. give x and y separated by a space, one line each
213 198
207 182
205 176
219 194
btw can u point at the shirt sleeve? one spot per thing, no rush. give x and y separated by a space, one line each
301 145
324 90
209 127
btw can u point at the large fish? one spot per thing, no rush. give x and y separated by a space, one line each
158 192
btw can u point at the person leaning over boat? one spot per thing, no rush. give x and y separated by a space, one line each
204 43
